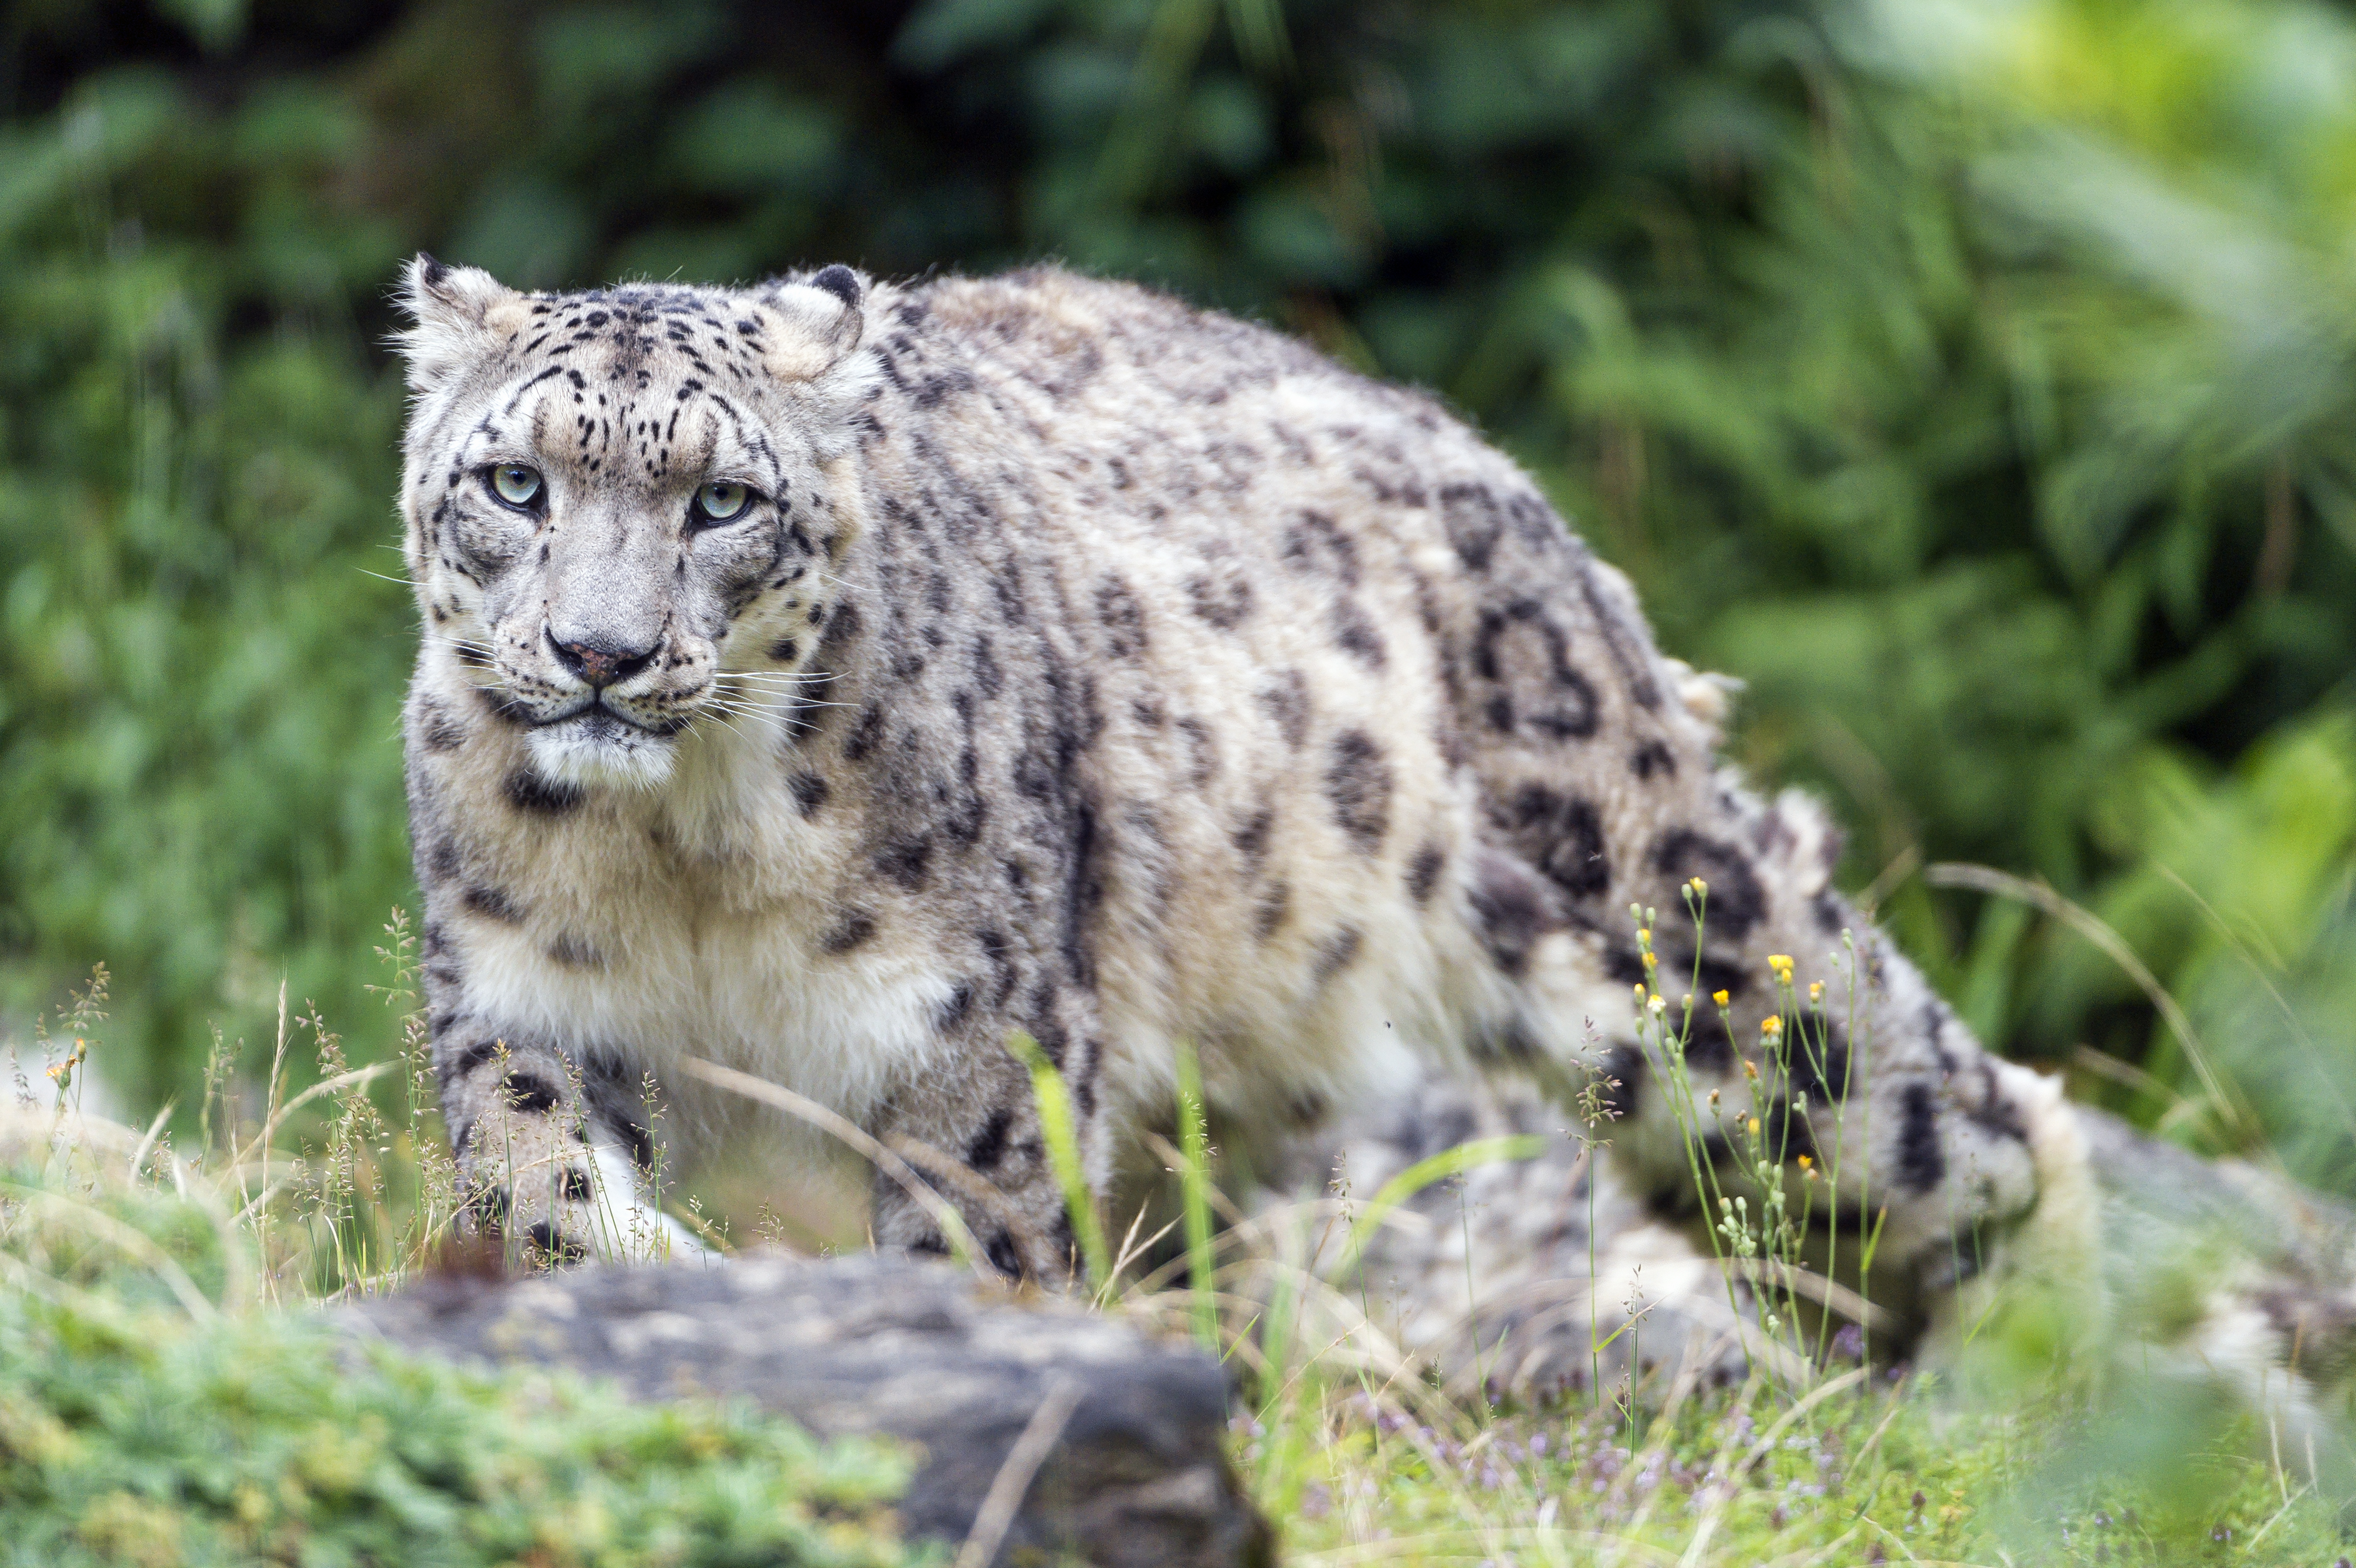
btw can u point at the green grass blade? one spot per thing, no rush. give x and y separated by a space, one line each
1055 1126
1424 1172
1194 1142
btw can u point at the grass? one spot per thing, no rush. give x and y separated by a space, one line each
1896 1474
164 1399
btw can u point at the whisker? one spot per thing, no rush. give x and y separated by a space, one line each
782 688
743 709
722 722
786 695
764 717
732 703
777 694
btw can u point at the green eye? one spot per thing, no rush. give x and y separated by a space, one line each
721 503
515 484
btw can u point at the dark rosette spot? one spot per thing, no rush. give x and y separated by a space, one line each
1122 617
575 953
1514 905
1735 901
529 1092
1357 636
1620 1080
810 791
989 1145
1921 1164
1224 601
1269 909
1653 757
492 903
1469 515
530 793
854 928
1250 836
438 728
1560 835
1287 701
1522 647
1314 542
1358 782
1335 952
1424 872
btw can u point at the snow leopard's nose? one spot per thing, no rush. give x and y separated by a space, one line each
601 664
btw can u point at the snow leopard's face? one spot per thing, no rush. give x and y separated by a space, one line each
619 521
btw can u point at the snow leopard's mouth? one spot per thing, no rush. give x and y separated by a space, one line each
601 721
596 744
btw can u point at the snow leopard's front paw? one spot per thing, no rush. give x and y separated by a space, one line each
531 1189
555 1199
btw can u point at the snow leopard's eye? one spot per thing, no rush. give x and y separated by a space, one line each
515 484
721 503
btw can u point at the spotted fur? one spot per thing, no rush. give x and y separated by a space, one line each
1086 666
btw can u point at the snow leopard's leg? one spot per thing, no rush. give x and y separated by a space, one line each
555 1157
971 1129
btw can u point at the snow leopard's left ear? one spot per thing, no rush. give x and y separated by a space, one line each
458 314
813 321
810 328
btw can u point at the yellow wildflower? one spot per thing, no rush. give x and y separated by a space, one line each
1721 998
1772 1027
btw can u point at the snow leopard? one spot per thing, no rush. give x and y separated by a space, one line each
842 681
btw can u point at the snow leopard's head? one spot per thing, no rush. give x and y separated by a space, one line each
621 504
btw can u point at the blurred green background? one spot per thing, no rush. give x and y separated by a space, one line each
1977 381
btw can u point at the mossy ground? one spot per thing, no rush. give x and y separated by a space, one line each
141 1423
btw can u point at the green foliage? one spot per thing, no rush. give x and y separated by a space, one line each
133 1432
1974 382
199 761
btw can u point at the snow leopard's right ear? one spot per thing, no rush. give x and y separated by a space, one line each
457 315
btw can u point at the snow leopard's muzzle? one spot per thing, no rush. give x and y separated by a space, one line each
601 706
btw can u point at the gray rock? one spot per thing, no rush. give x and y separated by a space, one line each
910 1349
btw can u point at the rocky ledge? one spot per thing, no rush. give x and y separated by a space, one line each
1066 1431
